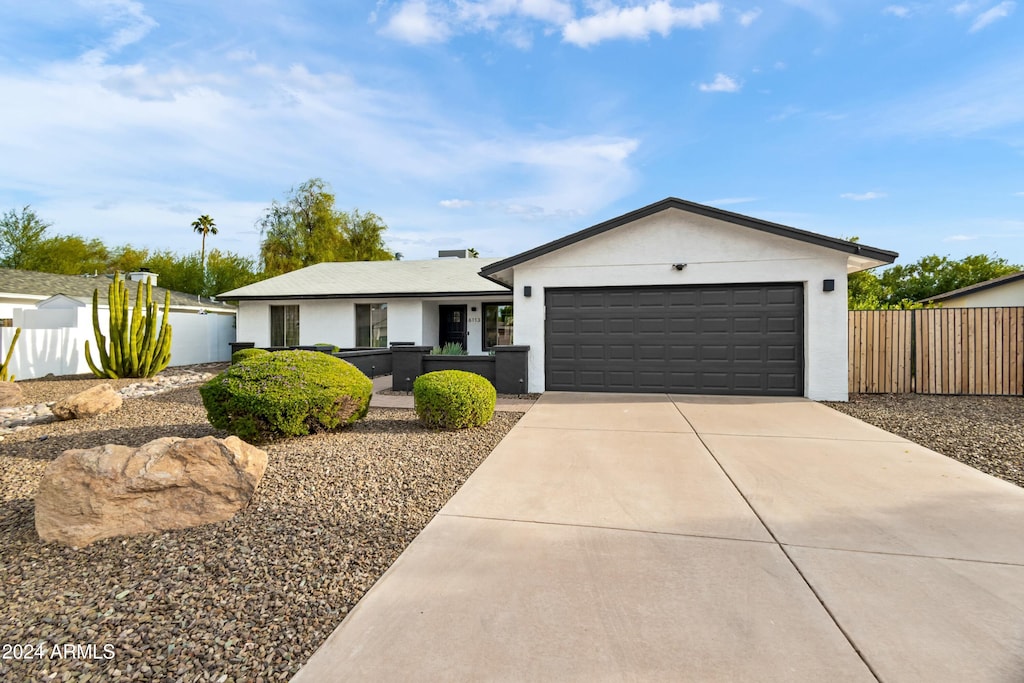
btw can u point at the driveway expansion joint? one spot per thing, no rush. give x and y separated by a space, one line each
606 528
889 553
782 548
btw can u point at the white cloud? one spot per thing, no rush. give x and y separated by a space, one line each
1000 11
901 11
1018 194
964 8
131 20
721 83
749 17
418 23
486 13
960 238
638 22
862 197
455 203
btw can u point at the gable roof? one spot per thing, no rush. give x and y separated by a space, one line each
375 279
981 286
870 256
31 283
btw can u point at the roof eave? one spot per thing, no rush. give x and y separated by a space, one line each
882 256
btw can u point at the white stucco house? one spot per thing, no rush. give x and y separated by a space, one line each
674 297
1007 290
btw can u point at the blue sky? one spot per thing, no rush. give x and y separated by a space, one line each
502 124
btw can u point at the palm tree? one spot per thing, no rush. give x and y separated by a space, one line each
473 253
204 224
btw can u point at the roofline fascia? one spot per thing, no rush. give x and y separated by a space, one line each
700 209
380 295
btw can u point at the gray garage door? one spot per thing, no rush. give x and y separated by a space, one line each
721 339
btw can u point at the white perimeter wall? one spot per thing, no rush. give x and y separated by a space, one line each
642 253
61 350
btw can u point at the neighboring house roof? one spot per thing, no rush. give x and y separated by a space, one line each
979 287
863 256
365 279
30 283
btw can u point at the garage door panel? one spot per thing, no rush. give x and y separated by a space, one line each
720 339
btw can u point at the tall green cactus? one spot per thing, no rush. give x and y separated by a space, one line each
138 347
7 359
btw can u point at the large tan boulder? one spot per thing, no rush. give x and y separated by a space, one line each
10 395
170 483
95 401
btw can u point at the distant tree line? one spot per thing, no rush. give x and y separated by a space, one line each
304 229
903 286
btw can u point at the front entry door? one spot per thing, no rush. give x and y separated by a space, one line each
452 325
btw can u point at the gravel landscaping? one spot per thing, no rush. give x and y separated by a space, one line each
985 432
246 600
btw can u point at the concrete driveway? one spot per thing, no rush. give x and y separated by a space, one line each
653 537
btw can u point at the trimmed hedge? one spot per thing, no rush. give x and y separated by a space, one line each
241 354
286 393
454 399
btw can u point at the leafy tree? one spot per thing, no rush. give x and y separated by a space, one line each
227 271
68 255
307 228
20 233
127 259
473 253
901 286
182 273
932 275
365 236
204 225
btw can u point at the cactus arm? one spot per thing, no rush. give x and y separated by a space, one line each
7 358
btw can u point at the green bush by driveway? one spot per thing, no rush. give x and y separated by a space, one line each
453 399
286 393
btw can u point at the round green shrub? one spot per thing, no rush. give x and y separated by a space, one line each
454 399
286 393
241 354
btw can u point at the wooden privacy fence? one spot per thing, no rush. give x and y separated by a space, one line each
937 351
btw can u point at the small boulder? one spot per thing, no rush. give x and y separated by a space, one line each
169 483
95 401
10 395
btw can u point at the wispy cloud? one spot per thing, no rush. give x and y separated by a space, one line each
863 196
819 8
901 11
721 83
639 22
964 8
418 23
1018 194
749 17
455 203
985 100
960 238
130 24
988 17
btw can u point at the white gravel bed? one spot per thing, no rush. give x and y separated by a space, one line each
245 600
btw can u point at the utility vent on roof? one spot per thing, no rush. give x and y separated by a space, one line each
453 253
142 276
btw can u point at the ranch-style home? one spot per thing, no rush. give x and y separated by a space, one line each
674 297
1007 290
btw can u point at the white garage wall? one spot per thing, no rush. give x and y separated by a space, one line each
643 252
